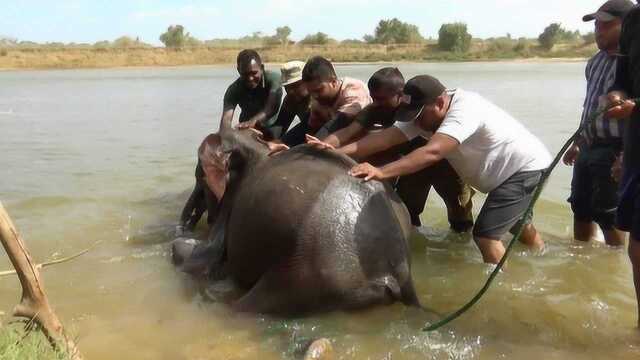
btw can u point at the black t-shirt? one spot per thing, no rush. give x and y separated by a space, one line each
252 101
628 80
375 117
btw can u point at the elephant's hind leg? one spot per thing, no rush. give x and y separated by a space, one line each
281 293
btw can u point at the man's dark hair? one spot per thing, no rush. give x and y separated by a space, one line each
246 56
318 68
387 79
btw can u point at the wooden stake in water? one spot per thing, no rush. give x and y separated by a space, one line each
34 304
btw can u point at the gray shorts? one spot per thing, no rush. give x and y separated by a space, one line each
505 205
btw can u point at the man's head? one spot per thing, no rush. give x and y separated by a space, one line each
250 68
608 23
428 102
321 80
292 80
385 87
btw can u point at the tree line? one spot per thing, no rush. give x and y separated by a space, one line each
453 37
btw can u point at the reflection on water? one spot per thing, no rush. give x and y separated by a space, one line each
109 154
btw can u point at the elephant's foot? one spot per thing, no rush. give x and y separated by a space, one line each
320 349
181 249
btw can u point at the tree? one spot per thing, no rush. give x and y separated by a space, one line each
589 38
454 37
175 37
550 36
395 31
319 38
282 34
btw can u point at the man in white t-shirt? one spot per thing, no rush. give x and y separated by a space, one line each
489 149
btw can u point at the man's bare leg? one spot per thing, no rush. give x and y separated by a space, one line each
492 249
583 230
531 237
614 237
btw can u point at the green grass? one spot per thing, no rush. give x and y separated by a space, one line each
17 344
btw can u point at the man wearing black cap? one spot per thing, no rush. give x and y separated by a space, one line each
627 85
594 195
489 149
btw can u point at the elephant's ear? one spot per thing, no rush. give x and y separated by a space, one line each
214 164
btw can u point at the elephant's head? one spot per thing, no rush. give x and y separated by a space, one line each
225 156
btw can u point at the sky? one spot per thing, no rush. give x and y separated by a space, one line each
88 21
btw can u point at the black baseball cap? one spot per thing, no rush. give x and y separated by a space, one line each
610 10
419 91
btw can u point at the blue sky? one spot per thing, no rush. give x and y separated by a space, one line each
91 21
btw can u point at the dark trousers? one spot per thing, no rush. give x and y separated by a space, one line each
414 189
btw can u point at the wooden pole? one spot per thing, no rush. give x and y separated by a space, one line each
34 304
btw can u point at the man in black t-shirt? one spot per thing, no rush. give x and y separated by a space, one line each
385 88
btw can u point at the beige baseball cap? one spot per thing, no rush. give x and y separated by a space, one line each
291 72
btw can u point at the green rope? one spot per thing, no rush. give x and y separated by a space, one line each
528 212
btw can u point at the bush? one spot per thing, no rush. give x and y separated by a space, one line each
550 36
395 31
4 52
454 37
319 38
589 38
175 37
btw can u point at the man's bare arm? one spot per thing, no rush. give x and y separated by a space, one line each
374 143
345 135
434 151
227 116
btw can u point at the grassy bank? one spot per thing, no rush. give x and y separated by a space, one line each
69 57
15 344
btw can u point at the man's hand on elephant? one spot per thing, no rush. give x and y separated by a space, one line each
247 124
621 108
571 155
317 143
366 171
276 148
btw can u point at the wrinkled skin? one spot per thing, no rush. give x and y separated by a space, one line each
299 235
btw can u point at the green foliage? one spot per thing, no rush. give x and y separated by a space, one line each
15 344
175 37
554 34
522 47
352 42
319 38
282 35
454 37
589 38
395 31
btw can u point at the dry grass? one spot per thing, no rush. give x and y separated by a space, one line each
66 58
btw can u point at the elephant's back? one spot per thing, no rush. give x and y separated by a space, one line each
298 205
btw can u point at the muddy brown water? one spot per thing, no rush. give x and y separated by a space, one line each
108 155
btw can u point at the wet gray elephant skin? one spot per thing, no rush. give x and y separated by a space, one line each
299 235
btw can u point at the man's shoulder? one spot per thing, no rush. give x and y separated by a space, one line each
354 84
273 77
234 90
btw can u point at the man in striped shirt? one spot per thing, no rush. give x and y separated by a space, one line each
594 196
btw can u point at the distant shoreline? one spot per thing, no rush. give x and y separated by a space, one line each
116 58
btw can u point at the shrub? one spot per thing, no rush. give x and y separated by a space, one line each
454 37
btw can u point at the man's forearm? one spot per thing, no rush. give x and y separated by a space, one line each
417 160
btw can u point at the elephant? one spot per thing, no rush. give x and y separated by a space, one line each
297 233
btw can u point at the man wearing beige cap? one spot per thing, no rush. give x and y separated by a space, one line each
297 102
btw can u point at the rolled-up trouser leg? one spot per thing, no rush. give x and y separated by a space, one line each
457 196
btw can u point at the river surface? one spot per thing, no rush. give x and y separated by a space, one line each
108 155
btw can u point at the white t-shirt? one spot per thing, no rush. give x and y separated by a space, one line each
493 145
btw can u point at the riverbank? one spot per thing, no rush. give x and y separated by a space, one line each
70 58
